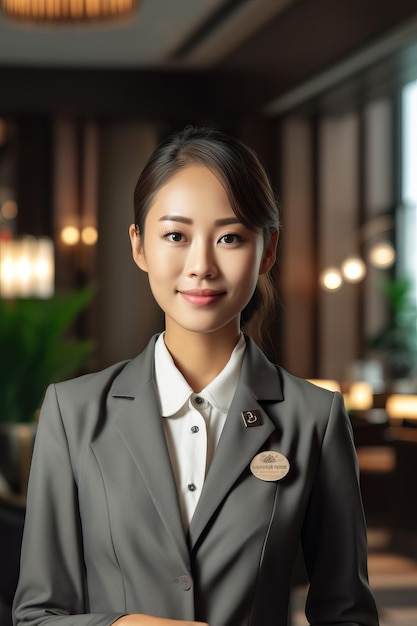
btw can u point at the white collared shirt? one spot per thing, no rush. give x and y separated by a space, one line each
193 421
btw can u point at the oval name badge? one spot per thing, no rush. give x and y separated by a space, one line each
270 465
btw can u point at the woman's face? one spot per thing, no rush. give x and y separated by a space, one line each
203 264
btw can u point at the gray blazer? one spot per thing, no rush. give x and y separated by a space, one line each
103 534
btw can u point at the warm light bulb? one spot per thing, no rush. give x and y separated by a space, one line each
89 235
382 255
70 235
353 269
331 279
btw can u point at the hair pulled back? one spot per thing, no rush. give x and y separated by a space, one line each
247 186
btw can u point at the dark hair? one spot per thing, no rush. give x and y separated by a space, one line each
247 186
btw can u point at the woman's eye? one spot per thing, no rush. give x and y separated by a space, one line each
230 239
175 237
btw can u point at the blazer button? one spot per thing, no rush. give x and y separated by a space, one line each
185 582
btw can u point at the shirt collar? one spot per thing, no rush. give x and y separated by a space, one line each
173 390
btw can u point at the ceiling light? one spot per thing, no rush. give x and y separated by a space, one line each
67 10
331 279
89 235
353 269
70 235
382 255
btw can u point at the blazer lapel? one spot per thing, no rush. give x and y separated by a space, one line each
140 427
259 388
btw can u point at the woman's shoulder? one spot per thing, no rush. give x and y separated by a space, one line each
300 391
95 385
267 376
87 404
99 379
305 384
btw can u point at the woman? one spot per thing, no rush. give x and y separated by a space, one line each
178 485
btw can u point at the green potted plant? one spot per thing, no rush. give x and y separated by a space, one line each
36 349
397 340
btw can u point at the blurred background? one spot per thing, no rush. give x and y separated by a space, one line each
326 92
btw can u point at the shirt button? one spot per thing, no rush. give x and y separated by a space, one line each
194 429
191 487
199 400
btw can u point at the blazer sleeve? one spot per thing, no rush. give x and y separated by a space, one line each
334 533
51 584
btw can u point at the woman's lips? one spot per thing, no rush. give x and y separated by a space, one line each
201 297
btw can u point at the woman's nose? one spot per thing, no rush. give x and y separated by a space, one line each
201 261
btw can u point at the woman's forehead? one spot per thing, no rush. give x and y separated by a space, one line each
192 188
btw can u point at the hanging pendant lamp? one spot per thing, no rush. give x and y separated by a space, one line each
67 10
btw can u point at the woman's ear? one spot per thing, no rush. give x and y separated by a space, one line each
138 252
270 253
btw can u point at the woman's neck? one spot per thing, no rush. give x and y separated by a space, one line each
200 357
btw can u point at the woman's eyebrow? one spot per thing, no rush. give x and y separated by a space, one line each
227 220
175 218
186 220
